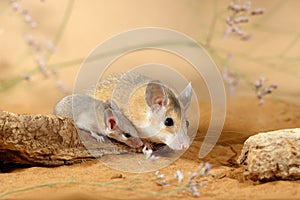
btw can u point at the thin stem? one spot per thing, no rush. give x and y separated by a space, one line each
270 13
10 83
290 45
63 25
65 21
34 187
56 39
212 26
101 184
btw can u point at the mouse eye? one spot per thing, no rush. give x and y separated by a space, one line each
187 123
126 135
169 121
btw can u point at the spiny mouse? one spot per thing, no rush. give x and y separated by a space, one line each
98 117
155 110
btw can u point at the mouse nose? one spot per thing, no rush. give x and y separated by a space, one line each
137 143
183 147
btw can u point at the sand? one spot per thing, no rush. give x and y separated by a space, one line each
272 52
226 182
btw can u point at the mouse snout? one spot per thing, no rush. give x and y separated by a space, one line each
136 142
179 141
183 146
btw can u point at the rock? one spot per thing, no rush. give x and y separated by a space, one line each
272 155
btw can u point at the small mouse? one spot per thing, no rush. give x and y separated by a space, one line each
157 112
98 117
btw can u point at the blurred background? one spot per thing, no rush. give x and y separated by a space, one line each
43 43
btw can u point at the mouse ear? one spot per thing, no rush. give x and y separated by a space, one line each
112 104
156 94
109 119
185 97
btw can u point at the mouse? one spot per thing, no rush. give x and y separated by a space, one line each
99 118
155 109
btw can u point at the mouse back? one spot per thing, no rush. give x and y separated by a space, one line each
77 104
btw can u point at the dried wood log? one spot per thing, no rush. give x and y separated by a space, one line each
47 140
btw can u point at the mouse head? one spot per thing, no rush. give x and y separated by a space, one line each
167 114
119 127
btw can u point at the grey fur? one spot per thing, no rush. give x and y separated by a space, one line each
93 115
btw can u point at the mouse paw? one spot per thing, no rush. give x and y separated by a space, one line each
99 138
148 145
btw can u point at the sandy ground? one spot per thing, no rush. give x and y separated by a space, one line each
273 52
227 181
